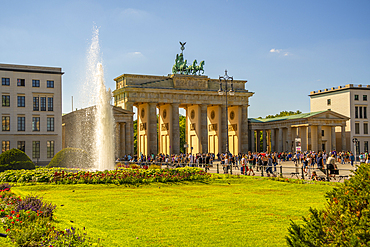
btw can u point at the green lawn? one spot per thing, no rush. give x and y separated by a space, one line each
246 212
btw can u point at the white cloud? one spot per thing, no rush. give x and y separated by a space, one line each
283 52
275 50
135 54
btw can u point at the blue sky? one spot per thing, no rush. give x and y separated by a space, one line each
284 49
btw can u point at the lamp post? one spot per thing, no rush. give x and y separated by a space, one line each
226 79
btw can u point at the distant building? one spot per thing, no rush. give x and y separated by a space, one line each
351 101
78 130
31 110
314 131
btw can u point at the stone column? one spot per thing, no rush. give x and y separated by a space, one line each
264 140
223 132
244 130
289 139
280 140
258 137
203 129
175 139
303 135
152 129
273 140
343 136
129 131
319 138
252 141
333 139
118 140
122 138
309 144
129 134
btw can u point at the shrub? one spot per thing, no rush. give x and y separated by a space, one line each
71 158
15 159
346 219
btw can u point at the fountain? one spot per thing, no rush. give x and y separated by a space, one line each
95 131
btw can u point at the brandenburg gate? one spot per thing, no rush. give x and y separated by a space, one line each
205 112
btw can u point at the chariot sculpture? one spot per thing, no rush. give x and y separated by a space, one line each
181 67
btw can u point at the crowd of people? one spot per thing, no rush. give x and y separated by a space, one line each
257 161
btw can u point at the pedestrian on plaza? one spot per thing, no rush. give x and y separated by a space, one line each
251 164
351 158
269 166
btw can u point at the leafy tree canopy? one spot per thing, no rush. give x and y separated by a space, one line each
284 113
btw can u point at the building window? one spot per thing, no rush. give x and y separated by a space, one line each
366 128
50 149
6 100
50 124
364 97
42 103
366 146
21 101
36 149
21 145
356 96
322 133
6 123
328 102
50 84
21 123
360 111
5 81
36 123
356 111
365 112
5 146
21 82
35 83
50 104
358 147
357 128
35 103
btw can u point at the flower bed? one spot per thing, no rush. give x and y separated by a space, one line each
119 176
29 221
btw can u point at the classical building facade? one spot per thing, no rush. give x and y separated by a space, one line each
31 110
82 121
206 124
313 131
351 101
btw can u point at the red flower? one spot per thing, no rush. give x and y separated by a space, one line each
12 222
10 217
12 212
7 230
17 215
17 220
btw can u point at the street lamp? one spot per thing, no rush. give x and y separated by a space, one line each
227 79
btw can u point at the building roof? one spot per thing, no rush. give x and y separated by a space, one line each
297 116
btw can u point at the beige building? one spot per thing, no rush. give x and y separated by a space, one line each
31 110
206 125
82 121
314 131
351 101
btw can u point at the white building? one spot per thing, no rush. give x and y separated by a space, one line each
31 110
351 101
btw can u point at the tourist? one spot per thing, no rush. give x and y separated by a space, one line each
269 166
251 162
331 166
351 158
314 176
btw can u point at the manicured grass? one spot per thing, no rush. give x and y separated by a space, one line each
226 212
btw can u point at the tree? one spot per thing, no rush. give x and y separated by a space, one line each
284 113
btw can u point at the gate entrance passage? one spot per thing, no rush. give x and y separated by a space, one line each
206 123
